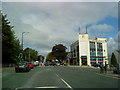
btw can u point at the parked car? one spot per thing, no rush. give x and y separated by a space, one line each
36 63
96 65
22 66
52 63
31 65
46 63
57 63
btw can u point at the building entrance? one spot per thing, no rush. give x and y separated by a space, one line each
84 60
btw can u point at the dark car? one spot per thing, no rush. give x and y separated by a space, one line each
96 65
22 66
46 63
52 63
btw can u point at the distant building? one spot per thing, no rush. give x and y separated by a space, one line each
86 51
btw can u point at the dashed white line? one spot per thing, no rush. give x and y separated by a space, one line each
64 82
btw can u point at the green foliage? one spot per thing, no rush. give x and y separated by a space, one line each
113 60
10 44
30 54
41 58
59 51
50 57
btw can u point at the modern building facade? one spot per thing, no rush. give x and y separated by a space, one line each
86 51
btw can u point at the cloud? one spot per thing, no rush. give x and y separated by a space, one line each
54 23
61 1
112 45
102 28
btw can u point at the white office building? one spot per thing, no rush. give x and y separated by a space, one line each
86 51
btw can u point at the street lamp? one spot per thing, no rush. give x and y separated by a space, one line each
22 42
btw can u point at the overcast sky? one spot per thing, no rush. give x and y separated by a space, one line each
50 23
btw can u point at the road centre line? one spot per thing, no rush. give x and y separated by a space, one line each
64 82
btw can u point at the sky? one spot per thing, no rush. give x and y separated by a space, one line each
50 23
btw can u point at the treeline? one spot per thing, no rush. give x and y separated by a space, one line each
10 44
11 47
30 54
58 52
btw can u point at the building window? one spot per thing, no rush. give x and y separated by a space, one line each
93 61
92 49
82 36
99 49
100 61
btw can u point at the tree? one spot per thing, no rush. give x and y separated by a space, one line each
50 57
10 44
59 51
113 60
30 54
41 58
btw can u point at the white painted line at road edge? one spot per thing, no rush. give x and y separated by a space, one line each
47 87
65 82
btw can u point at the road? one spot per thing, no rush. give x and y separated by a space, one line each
57 77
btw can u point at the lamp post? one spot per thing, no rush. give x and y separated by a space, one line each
22 42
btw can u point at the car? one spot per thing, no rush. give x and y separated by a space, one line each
57 64
36 63
96 65
51 63
46 63
31 65
22 66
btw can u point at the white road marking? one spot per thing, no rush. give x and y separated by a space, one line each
57 75
38 87
65 82
47 87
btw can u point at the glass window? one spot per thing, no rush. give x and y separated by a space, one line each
99 49
92 48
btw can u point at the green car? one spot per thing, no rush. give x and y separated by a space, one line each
22 66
